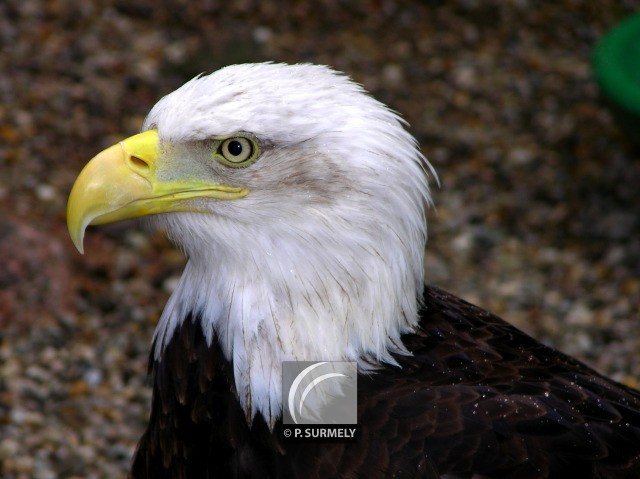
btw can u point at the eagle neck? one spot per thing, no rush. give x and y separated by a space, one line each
279 299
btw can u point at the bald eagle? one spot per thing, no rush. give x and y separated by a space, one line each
299 201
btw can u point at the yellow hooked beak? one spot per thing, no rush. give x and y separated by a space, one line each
120 183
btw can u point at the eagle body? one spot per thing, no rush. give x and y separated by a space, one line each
476 396
299 201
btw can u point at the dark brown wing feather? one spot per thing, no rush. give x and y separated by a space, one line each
477 397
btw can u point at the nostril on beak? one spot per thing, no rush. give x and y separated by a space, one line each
138 164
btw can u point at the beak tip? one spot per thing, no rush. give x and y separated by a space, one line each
76 228
78 243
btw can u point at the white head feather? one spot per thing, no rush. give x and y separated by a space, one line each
323 260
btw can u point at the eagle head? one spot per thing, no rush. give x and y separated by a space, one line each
299 201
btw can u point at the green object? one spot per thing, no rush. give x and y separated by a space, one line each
617 67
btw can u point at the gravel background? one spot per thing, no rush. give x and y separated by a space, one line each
537 211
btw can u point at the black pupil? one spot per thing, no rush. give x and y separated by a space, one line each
235 148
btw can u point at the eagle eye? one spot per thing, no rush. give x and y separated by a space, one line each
237 151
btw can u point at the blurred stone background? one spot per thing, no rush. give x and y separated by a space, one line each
537 212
